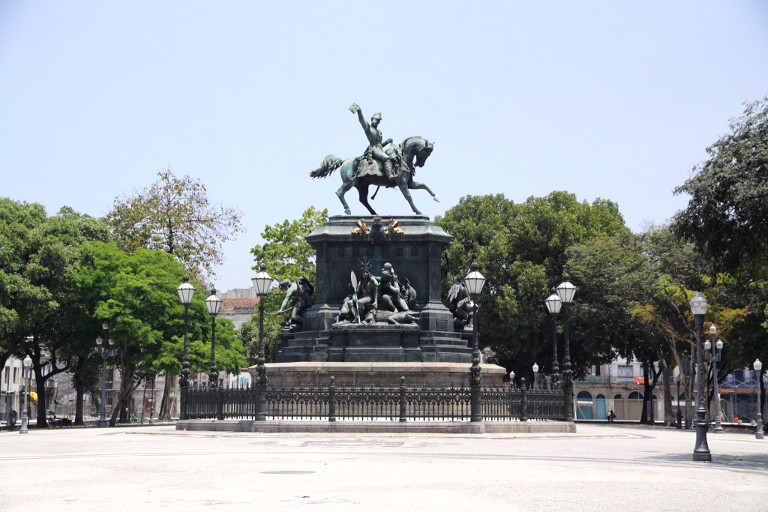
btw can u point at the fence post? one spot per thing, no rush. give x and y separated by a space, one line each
332 399
220 402
260 414
523 400
568 397
511 398
183 404
402 399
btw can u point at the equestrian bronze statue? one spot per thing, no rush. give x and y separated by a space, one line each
393 167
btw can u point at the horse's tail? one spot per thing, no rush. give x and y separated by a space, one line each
329 164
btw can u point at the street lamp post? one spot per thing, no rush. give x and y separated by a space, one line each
186 291
104 352
27 370
475 282
535 369
759 434
701 451
262 283
554 304
152 408
566 292
679 422
213 303
714 350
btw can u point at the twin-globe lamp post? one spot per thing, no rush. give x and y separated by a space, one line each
474 282
714 350
561 299
104 349
701 451
759 434
27 371
213 303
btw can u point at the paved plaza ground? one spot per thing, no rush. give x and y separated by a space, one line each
601 467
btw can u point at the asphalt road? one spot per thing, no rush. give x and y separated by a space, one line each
601 467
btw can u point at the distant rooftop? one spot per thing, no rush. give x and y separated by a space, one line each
239 304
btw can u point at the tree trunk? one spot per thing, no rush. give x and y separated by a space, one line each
646 390
143 400
42 421
669 414
165 409
79 382
128 385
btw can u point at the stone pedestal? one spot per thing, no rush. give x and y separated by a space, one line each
415 254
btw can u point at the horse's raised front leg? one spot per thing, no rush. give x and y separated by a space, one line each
423 186
340 193
402 183
362 190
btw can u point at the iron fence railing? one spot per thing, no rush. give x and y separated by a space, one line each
361 403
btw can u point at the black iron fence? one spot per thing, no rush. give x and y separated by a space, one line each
360 403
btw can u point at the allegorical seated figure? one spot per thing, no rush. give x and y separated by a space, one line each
390 293
298 298
460 304
361 304
381 300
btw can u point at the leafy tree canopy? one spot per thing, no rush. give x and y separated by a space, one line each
174 215
521 249
285 252
727 214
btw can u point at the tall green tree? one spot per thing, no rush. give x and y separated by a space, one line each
521 249
50 320
175 215
727 217
137 296
678 272
18 292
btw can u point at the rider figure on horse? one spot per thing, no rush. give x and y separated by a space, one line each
375 149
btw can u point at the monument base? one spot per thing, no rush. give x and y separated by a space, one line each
378 374
414 252
382 343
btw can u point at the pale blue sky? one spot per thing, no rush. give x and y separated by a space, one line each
603 99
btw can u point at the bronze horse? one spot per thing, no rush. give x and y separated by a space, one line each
412 153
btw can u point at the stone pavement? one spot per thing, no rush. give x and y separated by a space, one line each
600 467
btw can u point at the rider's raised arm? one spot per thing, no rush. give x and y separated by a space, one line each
361 118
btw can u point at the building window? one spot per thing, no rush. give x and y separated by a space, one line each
625 371
6 375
